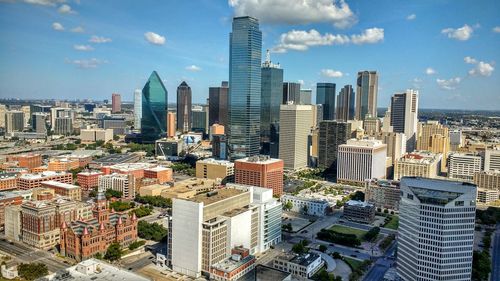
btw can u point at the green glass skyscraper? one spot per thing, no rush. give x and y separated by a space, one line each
245 51
154 109
325 95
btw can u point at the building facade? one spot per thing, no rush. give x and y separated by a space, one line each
154 109
463 166
291 93
260 171
418 164
184 97
366 94
331 135
359 211
384 194
124 183
325 95
218 104
345 104
308 206
214 169
359 160
116 103
404 116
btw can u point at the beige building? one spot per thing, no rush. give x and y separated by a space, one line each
418 164
426 131
492 160
96 134
396 145
487 196
124 183
214 169
462 166
73 192
487 180
152 190
383 194
13 224
295 127
371 126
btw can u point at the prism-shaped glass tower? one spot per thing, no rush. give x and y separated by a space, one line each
154 109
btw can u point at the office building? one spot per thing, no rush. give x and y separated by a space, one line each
96 134
302 266
317 115
463 166
89 107
116 103
305 96
63 126
291 93
386 122
234 267
63 164
216 129
404 116
219 147
260 171
161 174
214 169
171 125
396 145
14 121
124 183
487 196
426 131
87 180
200 120
218 104
487 180
59 112
28 161
418 164
13 223
270 211
371 126
244 87
73 192
3 110
271 99
492 160
436 229
345 104
39 122
8 199
168 148
325 95
137 109
331 135
366 94
305 205
184 97
8 181
30 181
359 160
295 127
382 193
154 109
457 139
359 211
118 124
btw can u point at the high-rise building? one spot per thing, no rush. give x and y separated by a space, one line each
404 116
386 122
3 110
463 166
39 123
345 104
116 103
26 109
331 135
244 87
171 125
359 160
396 147
184 107
199 119
295 127
492 160
426 131
456 139
418 164
63 126
218 104
260 171
325 95
271 99
154 109
305 96
291 93
317 114
124 183
371 126
436 229
137 109
366 94
219 146
14 121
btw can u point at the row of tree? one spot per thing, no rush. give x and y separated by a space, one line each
350 240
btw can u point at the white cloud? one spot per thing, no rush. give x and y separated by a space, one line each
411 17
449 84
154 38
301 40
99 39
84 48
331 73
193 68
57 26
496 29
296 11
463 33
470 60
482 68
78 29
44 2
430 71
66 9
86 63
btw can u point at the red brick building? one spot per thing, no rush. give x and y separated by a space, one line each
161 173
89 179
30 181
8 199
81 240
29 161
8 181
260 171
233 268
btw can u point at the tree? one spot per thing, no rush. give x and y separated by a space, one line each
120 206
99 143
481 266
116 137
32 271
299 248
156 201
322 248
142 211
114 252
336 255
358 195
136 244
288 206
372 234
113 193
151 231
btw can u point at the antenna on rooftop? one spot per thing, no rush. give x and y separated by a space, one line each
268 56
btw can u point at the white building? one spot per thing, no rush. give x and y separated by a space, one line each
492 160
124 183
295 127
270 211
137 109
310 206
359 160
404 111
436 229
463 166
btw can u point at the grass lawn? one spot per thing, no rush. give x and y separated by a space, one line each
393 223
348 230
353 263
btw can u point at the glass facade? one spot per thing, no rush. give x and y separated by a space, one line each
244 87
345 104
366 99
154 109
325 95
218 110
271 98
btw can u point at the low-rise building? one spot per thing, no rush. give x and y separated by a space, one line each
113 159
383 193
30 181
88 179
124 183
97 134
162 174
418 164
8 181
214 169
74 192
487 196
302 266
135 169
152 190
63 164
359 211
234 267
487 180
309 206
28 161
169 148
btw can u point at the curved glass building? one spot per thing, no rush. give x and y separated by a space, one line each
154 109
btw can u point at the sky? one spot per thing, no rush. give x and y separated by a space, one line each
89 49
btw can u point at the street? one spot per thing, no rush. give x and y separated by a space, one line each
24 253
495 268
381 265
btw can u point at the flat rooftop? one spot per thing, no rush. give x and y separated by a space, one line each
41 175
158 169
358 203
259 159
131 166
215 196
303 259
216 162
60 184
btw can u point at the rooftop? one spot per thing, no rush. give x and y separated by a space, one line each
233 262
41 175
131 166
420 157
90 173
372 143
302 198
437 191
117 158
215 196
216 162
304 259
261 159
383 183
358 203
60 184
158 169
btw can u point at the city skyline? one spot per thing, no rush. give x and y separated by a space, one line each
73 50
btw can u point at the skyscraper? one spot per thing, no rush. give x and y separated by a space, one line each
244 87
271 98
14 121
154 109
331 135
38 122
184 107
295 127
325 95
171 125
218 104
305 96
436 229
366 98
116 103
345 104
137 109
404 112
291 92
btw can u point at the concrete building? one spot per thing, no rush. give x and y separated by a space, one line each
62 164
13 223
96 134
487 180
8 199
28 161
382 193
291 93
169 148
304 205
14 121
135 169
404 116
487 196
124 183
270 211
73 192
234 267
8 181
162 174
359 160
218 104
492 160
426 131
457 139
305 96
418 164
219 147
184 107
436 229
30 181
260 171
463 166
116 123
396 146
295 127
3 110
116 103
137 108
371 126
39 122
87 180
345 104
302 267
366 94
331 135
359 211
214 169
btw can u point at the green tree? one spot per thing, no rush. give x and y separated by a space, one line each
156 201
301 247
113 193
288 206
142 211
120 206
151 231
372 234
116 137
114 252
322 248
336 255
481 266
32 271
358 195
136 244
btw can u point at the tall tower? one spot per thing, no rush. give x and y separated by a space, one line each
345 104
218 104
137 109
366 98
404 112
271 97
331 135
244 87
154 109
116 103
184 107
325 95
436 229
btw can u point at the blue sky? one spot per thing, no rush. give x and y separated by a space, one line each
448 50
